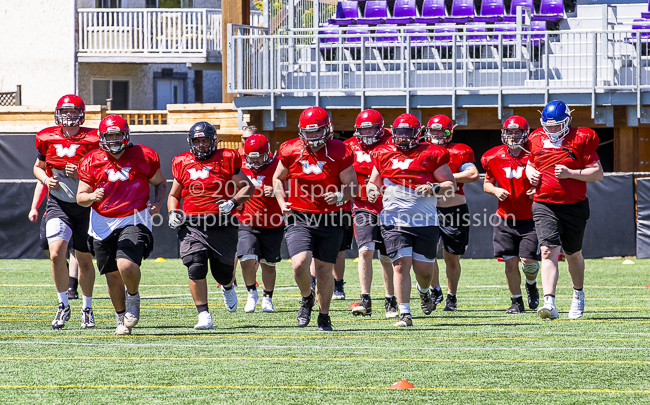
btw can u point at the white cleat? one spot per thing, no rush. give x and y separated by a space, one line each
132 315
230 299
121 328
267 304
205 321
577 305
548 311
87 318
251 303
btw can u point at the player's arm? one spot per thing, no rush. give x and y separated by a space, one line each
39 171
159 183
533 174
468 173
39 195
280 175
175 217
87 195
446 181
245 187
490 187
372 188
591 172
349 183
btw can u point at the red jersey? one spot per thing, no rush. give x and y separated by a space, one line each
459 154
57 150
575 151
259 210
410 168
125 180
510 174
363 167
206 182
312 174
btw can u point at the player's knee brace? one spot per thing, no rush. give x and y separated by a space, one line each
197 265
530 269
221 272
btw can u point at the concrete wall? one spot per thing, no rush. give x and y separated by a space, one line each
38 49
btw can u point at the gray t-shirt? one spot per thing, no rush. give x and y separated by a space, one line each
67 190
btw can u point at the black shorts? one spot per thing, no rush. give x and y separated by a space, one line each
73 215
348 232
133 242
220 241
42 238
454 228
265 243
515 238
561 224
367 230
320 234
423 240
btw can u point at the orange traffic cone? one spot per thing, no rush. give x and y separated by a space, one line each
354 304
401 385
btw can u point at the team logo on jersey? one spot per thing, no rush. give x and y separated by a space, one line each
308 168
114 176
403 165
62 151
258 181
199 174
514 173
362 156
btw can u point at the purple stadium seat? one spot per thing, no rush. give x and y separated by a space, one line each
418 29
375 12
347 13
388 39
537 39
646 14
328 42
491 11
641 25
513 9
438 34
478 28
550 10
461 11
433 11
353 40
505 27
404 12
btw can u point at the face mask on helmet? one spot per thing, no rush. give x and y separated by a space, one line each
406 138
435 135
368 134
514 137
557 130
199 147
114 144
68 116
315 137
257 164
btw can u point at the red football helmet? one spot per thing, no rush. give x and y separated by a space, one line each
439 130
406 131
369 119
313 120
110 125
70 101
257 146
508 132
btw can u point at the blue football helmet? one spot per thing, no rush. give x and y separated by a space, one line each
556 113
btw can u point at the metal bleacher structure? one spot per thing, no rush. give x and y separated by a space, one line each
458 54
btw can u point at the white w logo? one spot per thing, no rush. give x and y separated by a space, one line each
401 165
308 168
199 174
69 152
514 174
362 156
258 181
114 176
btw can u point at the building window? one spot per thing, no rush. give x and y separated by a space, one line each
117 90
108 3
170 3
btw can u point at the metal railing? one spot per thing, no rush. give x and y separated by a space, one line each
340 62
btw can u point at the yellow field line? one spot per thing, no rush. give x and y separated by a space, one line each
314 387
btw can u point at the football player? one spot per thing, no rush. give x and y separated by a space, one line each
321 180
211 184
59 150
452 209
370 134
114 182
411 175
262 224
562 160
514 236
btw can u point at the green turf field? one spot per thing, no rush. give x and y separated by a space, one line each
475 355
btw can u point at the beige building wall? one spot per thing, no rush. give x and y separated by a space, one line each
37 49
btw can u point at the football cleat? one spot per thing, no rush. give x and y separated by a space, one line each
267 304
390 304
548 311
62 315
533 295
324 323
450 303
436 296
364 308
339 294
426 303
230 298
73 294
132 315
87 318
404 321
517 306
251 303
577 305
205 321
121 328
304 313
